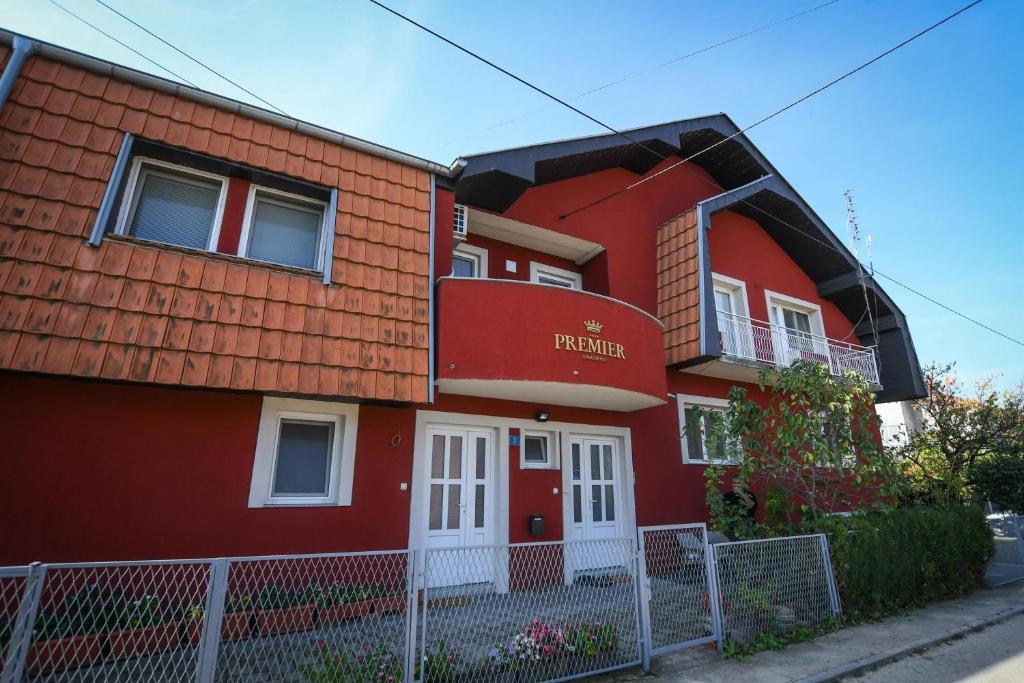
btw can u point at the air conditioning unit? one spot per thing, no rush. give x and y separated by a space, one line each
460 222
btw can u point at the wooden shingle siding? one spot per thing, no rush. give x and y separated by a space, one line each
678 287
135 311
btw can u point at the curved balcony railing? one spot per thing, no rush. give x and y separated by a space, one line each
763 342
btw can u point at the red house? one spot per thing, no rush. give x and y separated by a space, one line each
228 332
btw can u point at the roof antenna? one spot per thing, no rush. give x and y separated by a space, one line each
853 228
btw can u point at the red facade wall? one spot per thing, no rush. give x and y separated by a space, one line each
97 471
498 252
740 248
625 225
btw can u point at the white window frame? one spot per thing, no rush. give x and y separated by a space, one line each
344 416
552 462
144 165
737 290
460 221
286 199
477 254
684 401
571 278
808 308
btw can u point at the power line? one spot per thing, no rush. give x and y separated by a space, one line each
776 112
670 62
121 43
731 192
511 75
190 57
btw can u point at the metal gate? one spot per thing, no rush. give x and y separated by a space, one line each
678 594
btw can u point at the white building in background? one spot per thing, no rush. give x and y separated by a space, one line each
899 419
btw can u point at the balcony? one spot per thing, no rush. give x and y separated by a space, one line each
547 345
746 340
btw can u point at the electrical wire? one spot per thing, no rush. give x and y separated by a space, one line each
731 192
769 117
121 43
642 72
190 57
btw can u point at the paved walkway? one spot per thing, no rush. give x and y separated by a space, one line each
834 655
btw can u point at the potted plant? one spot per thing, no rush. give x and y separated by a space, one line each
235 624
388 600
73 635
338 603
144 629
279 610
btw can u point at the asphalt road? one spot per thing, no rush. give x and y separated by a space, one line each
994 655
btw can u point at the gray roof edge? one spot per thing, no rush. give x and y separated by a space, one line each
108 68
777 184
668 131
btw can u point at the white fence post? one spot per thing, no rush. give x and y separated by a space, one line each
21 634
412 611
213 614
644 596
1018 534
714 596
833 590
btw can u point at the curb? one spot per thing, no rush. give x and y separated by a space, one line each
893 654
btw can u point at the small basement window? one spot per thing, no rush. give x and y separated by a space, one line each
282 228
305 453
173 205
538 451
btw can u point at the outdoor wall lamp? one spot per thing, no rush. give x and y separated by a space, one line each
542 415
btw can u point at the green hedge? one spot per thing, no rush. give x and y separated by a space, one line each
888 562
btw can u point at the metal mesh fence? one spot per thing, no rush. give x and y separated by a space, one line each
117 622
12 590
1008 534
317 618
525 612
677 577
1007 565
774 586
529 612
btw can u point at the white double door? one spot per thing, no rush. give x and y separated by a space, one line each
459 503
593 480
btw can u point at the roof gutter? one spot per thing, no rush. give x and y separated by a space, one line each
23 47
124 73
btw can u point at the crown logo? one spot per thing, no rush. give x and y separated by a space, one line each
593 326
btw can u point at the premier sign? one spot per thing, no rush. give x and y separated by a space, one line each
591 346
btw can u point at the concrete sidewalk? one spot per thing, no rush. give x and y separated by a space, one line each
844 652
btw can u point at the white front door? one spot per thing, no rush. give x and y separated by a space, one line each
459 502
595 496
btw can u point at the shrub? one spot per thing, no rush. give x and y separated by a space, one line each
892 561
1000 479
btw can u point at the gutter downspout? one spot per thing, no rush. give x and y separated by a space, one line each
23 47
431 327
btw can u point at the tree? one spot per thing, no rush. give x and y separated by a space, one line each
959 431
1000 479
813 446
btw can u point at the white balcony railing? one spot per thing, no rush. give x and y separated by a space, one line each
756 340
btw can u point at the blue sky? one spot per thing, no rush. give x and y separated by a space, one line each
929 139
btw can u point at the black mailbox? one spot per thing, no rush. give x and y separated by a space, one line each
536 525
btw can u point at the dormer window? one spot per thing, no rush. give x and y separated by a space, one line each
173 205
282 228
191 201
